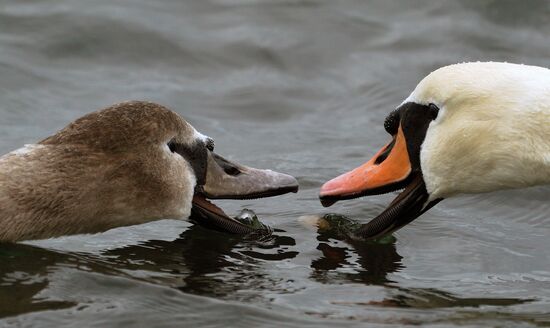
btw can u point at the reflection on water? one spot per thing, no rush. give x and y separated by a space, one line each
23 274
207 262
376 261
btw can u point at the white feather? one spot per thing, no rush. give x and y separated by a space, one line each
492 131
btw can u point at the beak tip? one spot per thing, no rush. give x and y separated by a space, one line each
290 182
329 188
293 188
329 192
327 202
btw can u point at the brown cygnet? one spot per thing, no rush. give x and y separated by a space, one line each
127 164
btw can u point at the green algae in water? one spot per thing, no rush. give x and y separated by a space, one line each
342 227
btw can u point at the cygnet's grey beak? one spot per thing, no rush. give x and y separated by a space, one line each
227 180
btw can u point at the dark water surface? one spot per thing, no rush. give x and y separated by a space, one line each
298 86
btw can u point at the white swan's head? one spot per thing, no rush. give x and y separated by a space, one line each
466 128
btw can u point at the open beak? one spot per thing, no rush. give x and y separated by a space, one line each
227 180
389 170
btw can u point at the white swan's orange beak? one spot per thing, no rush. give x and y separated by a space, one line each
394 167
385 172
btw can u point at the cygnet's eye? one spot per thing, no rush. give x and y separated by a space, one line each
172 145
434 111
392 122
210 144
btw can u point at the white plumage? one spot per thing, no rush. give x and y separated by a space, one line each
492 131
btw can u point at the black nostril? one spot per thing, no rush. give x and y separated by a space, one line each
228 167
381 158
231 170
385 153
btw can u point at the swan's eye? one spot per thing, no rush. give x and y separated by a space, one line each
172 146
391 124
434 110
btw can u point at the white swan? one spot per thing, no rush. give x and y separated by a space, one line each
466 128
